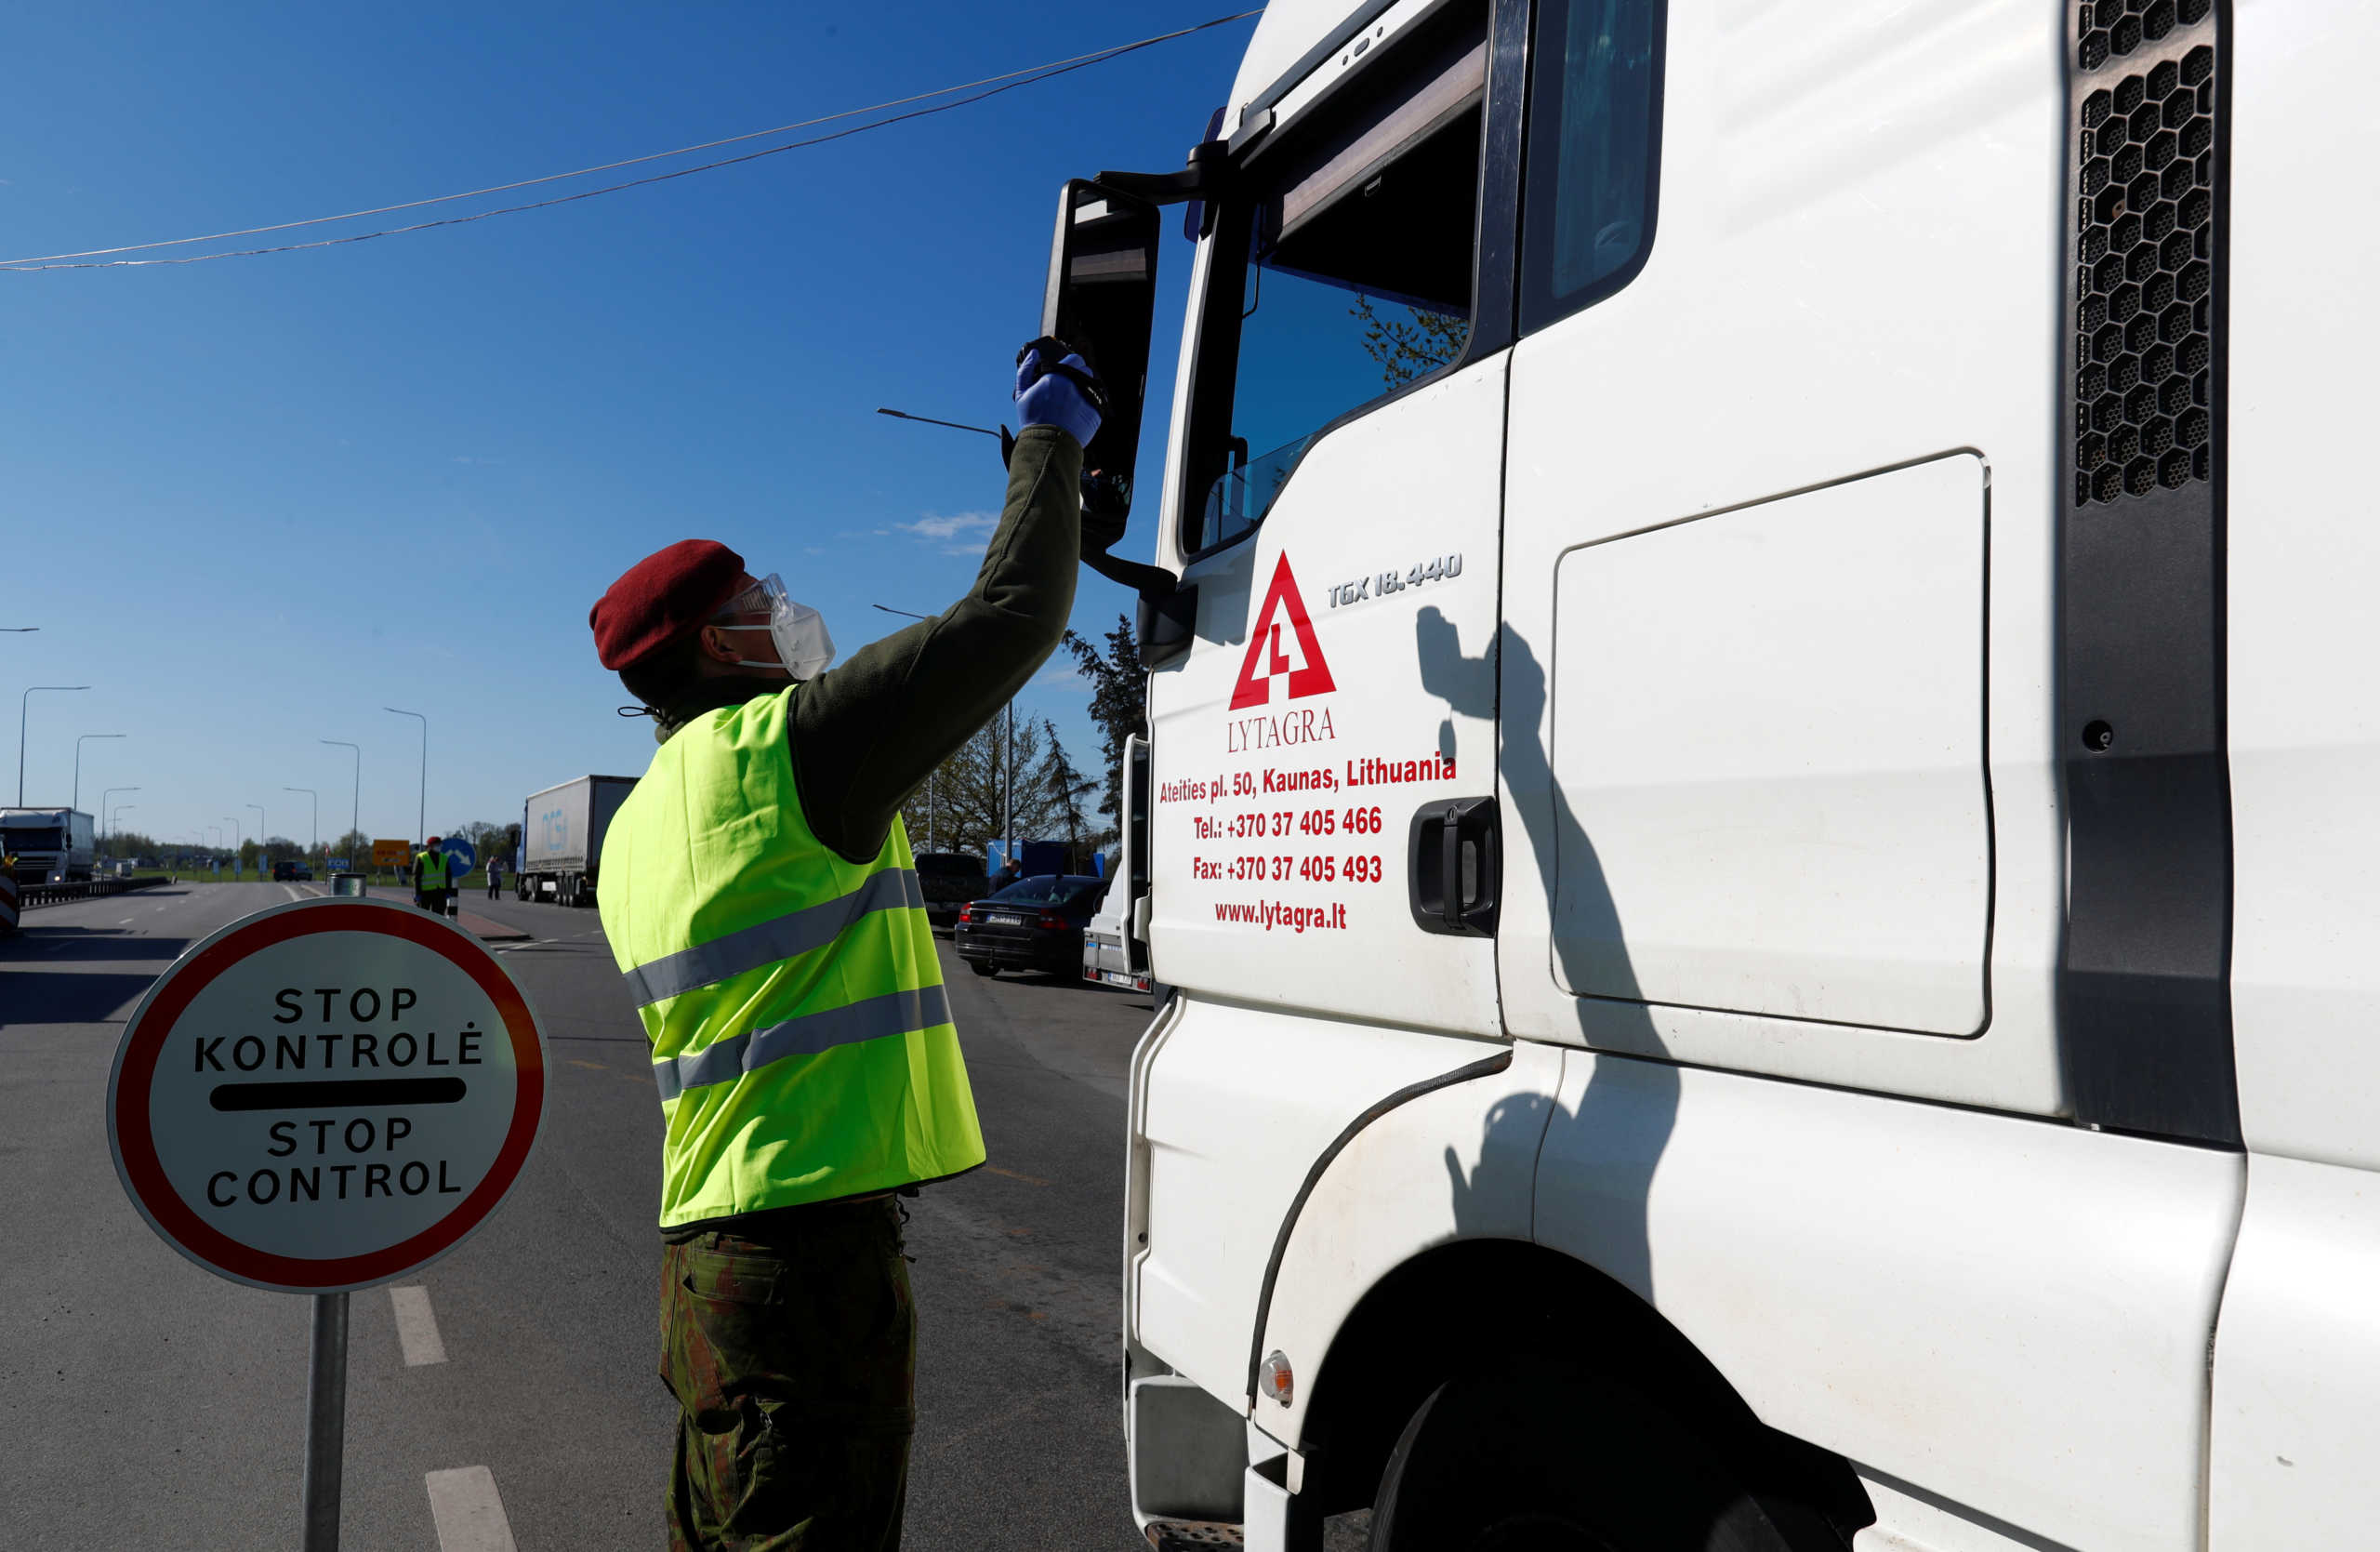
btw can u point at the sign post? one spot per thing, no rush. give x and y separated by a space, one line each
318 1489
461 857
326 1095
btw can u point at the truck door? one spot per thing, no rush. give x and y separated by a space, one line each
1795 654
1338 459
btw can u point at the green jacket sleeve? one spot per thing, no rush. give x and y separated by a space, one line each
868 731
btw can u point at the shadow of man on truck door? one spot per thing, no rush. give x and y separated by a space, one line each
1608 1149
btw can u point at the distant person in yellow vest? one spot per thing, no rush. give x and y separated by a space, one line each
759 895
431 872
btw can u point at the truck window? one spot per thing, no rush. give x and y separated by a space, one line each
1351 275
1593 160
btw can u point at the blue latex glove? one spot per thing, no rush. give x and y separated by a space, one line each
1047 398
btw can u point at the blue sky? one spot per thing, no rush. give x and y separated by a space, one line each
251 502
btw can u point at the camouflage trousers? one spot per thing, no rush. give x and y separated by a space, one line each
793 1359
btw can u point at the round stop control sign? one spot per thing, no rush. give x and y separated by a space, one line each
326 1094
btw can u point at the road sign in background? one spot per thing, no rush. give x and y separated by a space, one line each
392 853
462 851
326 1095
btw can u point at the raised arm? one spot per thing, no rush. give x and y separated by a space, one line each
867 731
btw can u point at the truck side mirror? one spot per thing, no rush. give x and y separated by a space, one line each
1101 299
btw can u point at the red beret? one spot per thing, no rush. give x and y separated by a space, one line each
661 598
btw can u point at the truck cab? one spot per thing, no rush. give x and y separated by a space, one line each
1768 902
49 845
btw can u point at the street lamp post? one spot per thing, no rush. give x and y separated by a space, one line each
115 814
22 702
317 811
261 833
421 814
355 812
234 830
930 420
80 739
109 792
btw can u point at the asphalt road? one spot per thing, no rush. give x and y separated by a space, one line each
145 1402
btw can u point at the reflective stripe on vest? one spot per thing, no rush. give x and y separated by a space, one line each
895 1012
796 931
802 1048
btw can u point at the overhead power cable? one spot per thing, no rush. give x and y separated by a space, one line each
98 258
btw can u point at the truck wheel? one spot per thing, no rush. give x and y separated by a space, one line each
1538 1462
982 968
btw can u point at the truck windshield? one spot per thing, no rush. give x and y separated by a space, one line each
1355 277
27 839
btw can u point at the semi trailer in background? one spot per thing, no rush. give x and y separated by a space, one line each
562 838
49 845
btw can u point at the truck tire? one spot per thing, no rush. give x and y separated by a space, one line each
983 967
1540 1462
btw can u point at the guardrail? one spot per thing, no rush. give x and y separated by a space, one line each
52 893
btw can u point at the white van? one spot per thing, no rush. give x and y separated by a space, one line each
1775 917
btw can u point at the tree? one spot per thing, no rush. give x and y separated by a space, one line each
1410 349
971 790
1118 699
489 839
130 843
1064 791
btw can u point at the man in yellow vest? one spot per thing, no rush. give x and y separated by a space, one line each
429 877
760 898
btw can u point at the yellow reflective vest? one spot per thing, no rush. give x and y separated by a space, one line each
801 1039
431 869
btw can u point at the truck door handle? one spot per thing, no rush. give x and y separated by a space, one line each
1452 861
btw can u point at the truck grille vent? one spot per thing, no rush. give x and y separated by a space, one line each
2144 261
2111 28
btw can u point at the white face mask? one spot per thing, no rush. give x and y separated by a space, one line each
799 631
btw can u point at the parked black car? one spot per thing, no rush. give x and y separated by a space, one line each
292 873
949 880
1035 923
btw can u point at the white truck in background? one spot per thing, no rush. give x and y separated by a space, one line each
51 846
562 838
1770 901
1114 944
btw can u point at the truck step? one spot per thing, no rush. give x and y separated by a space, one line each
1189 1535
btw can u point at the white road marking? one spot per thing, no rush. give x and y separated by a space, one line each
469 1514
417 1327
128 921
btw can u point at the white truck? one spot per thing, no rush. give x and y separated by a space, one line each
562 838
1772 914
1114 944
50 845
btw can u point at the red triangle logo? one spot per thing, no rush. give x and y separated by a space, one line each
1305 673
